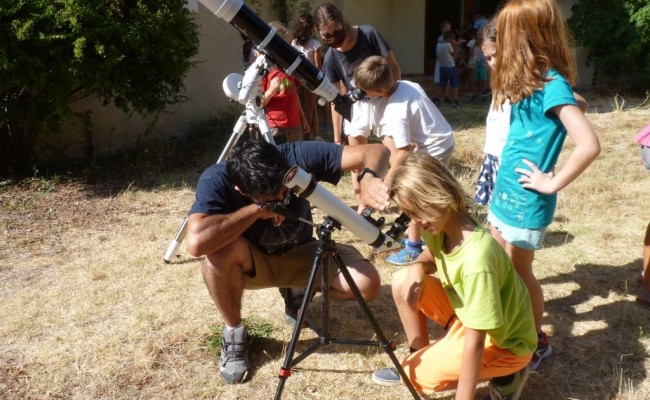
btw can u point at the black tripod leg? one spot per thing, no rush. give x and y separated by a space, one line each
387 345
285 371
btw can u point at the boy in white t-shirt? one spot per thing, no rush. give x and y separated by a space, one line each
407 122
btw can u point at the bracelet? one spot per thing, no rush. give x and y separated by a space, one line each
365 171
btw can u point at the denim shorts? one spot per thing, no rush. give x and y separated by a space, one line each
529 239
645 156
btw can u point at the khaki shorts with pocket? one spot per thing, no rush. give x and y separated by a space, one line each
292 268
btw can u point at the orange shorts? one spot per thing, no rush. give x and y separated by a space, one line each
437 366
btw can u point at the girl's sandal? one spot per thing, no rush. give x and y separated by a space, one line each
643 299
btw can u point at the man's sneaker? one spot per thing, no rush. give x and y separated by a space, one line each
543 351
234 355
406 256
511 391
386 377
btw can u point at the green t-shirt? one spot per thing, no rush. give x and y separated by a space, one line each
485 290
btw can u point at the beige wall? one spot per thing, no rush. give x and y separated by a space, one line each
400 21
219 55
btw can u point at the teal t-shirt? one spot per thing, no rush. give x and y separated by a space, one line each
485 290
537 135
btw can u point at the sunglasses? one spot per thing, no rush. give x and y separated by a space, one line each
273 204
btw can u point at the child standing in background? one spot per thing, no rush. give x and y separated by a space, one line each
303 31
535 72
448 70
445 26
280 101
497 123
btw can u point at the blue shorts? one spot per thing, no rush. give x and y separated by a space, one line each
529 239
449 76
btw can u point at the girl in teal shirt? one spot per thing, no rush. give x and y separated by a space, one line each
535 72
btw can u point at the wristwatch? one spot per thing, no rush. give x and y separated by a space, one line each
365 171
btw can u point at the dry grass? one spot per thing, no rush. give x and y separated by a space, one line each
89 310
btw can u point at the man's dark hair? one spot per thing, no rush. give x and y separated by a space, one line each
257 168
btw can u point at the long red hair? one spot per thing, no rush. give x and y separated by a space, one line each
531 39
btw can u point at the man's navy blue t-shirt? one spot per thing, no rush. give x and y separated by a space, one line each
216 195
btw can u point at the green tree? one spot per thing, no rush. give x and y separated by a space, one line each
616 34
131 53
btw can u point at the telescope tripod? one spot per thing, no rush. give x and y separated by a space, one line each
325 253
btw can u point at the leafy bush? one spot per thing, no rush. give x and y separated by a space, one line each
131 53
616 34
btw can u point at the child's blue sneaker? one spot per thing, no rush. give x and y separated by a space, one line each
406 256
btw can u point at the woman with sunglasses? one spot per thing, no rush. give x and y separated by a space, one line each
348 46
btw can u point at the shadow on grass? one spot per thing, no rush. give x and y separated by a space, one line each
597 351
557 238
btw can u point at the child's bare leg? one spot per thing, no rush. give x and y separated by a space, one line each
413 233
522 260
413 321
646 260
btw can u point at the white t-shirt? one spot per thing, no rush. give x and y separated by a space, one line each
497 126
445 54
308 49
408 116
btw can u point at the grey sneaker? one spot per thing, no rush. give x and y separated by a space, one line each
387 377
234 355
511 391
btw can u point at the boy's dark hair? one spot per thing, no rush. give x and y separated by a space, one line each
257 168
449 35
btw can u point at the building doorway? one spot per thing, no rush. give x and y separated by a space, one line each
459 13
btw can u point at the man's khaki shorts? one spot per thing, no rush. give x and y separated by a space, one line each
292 268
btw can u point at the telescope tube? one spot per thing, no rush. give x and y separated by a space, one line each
293 62
305 185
